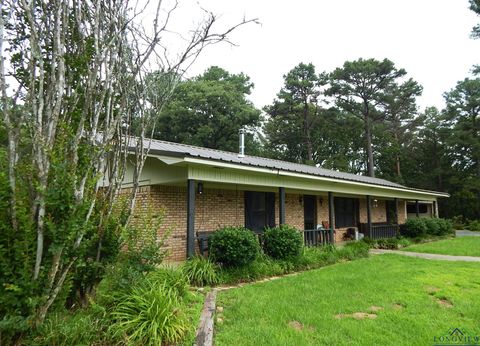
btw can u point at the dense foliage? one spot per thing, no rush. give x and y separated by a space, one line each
200 271
233 246
423 227
209 110
282 242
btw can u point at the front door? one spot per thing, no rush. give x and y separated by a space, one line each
310 212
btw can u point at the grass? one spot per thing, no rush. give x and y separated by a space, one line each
461 246
302 309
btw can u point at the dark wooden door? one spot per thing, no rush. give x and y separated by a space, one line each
309 212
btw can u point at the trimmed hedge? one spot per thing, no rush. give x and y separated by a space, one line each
233 246
423 227
283 242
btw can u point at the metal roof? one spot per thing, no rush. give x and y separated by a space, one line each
177 149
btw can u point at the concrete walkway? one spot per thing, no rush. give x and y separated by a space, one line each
430 256
465 233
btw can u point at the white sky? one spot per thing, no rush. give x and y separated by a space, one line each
428 38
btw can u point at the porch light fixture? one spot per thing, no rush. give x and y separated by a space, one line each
320 200
200 188
375 203
300 199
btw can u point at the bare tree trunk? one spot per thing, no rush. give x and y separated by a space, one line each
80 111
368 135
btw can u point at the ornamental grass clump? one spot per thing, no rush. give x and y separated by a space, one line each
150 314
200 271
233 246
172 278
283 242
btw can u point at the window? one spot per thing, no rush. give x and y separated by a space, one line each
422 208
259 210
346 212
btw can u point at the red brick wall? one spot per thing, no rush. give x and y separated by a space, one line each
216 208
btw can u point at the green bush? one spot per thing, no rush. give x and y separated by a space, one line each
414 228
262 267
433 227
372 243
79 328
233 246
316 257
171 278
474 226
387 243
283 242
200 271
150 314
353 250
404 242
458 222
445 227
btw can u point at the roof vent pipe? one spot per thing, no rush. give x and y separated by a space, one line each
241 152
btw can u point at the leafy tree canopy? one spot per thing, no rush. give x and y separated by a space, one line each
209 110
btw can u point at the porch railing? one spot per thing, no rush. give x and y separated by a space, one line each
317 237
379 231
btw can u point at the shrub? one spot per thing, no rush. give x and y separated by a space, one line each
200 271
79 328
433 227
404 242
474 226
353 250
151 314
372 243
263 266
171 278
445 227
283 242
233 246
414 228
316 257
387 243
458 222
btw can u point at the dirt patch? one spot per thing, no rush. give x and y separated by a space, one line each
374 308
219 309
445 303
296 325
431 289
398 306
357 316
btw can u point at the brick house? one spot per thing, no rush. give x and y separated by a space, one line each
201 190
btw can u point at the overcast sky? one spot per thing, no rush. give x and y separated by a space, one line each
430 39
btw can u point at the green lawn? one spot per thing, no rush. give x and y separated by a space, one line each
462 246
415 299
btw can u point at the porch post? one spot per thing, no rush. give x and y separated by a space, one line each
331 220
190 218
281 211
395 202
369 215
434 209
417 209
